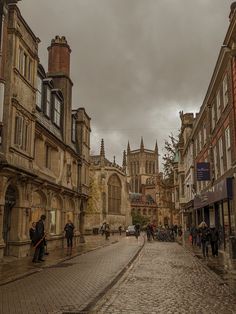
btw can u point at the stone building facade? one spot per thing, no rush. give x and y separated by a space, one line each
109 200
44 153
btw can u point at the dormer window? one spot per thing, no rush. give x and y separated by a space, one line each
57 111
48 102
39 92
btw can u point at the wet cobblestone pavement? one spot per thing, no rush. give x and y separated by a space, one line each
12 268
167 279
69 286
222 265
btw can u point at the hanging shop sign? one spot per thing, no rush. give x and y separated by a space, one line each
203 171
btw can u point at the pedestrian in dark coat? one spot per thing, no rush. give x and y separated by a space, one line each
39 240
149 231
214 238
69 233
32 232
205 238
107 231
193 233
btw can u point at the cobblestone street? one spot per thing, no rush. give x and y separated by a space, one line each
167 279
69 286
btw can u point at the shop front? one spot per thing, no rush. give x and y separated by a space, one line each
215 207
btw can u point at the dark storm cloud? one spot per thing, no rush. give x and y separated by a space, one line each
135 63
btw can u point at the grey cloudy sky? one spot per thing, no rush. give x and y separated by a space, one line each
135 63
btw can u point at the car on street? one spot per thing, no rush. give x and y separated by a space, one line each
130 230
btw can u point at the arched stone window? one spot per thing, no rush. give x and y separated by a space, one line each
114 194
38 206
55 216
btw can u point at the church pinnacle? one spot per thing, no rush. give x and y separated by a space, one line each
141 144
128 148
102 150
124 164
156 148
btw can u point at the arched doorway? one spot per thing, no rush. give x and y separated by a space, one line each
10 202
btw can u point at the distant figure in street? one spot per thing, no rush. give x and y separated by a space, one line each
103 228
137 230
180 232
205 238
214 239
69 233
39 240
149 231
120 230
107 231
175 228
32 232
193 233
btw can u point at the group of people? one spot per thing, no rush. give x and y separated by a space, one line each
105 230
163 233
38 238
203 236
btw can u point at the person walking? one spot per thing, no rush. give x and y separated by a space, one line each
214 239
193 233
69 233
137 230
39 240
205 238
103 228
107 231
32 231
149 232
120 230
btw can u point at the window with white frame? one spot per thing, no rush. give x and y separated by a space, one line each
221 156
215 155
213 117
39 92
225 91
228 147
204 134
200 140
196 146
218 111
48 101
57 112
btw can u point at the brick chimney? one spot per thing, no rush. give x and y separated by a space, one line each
232 10
59 56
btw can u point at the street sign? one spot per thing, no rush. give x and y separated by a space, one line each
203 171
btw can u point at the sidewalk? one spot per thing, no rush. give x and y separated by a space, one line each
222 265
12 269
